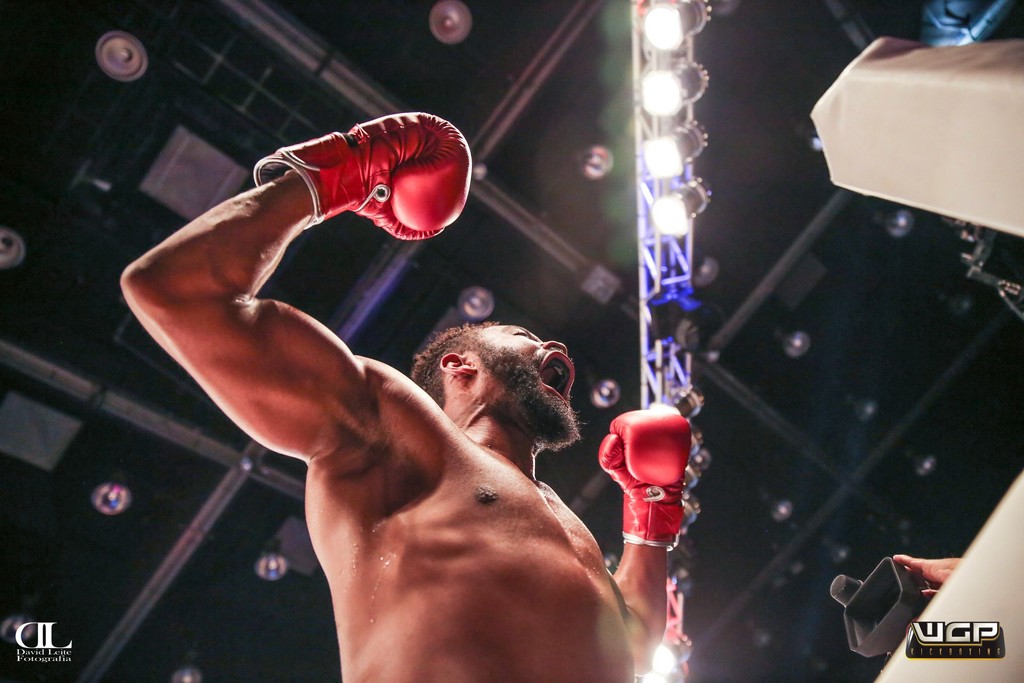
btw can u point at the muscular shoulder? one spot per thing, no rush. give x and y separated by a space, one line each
402 445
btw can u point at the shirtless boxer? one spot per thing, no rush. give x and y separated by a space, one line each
447 560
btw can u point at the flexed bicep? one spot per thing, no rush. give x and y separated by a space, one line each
281 376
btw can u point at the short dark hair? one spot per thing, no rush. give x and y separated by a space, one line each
426 365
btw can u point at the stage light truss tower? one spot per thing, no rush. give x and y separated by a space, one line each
665 251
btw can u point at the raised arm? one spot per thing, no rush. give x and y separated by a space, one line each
285 379
646 454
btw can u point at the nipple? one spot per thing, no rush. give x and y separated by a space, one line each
486 495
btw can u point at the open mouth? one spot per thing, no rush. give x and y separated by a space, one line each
557 373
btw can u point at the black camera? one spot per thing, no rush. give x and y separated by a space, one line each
879 608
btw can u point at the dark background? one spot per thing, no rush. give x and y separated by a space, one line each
908 358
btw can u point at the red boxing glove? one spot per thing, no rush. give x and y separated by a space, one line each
646 454
408 173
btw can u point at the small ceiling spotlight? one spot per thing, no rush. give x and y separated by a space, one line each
865 409
796 344
669 215
782 510
898 223
450 21
12 248
597 162
10 625
187 674
839 553
121 56
271 565
762 638
605 393
479 170
925 465
705 273
476 304
960 304
111 498
661 93
663 27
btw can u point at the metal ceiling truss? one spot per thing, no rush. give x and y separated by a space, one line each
664 259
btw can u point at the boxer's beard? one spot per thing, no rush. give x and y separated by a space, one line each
551 420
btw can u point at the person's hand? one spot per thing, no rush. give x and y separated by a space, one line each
934 572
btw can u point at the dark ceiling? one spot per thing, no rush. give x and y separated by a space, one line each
908 358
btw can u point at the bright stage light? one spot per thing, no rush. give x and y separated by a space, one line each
662 93
664 659
663 27
670 216
654 678
662 157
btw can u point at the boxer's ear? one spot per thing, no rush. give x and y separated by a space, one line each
457 365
